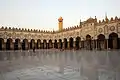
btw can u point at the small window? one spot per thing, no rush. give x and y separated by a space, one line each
91 24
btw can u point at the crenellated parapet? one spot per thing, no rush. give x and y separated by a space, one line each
108 21
24 30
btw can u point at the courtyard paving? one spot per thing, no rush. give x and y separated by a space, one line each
53 64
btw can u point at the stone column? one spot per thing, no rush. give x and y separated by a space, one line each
20 45
41 44
74 43
63 46
53 43
58 43
27 45
4 45
12 45
82 43
47 42
79 44
68 44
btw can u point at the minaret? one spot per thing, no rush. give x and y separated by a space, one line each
60 24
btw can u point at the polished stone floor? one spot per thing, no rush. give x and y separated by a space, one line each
60 65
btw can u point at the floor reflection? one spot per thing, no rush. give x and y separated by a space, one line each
60 65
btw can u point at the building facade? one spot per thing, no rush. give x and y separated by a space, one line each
89 34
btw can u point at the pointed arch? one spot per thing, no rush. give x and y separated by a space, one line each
50 44
55 44
113 41
77 42
38 44
9 44
17 44
71 43
88 42
25 45
60 43
1 43
65 43
101 41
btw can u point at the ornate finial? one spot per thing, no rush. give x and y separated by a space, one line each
106 19
116 18
99 21
60 19
111 19
95 19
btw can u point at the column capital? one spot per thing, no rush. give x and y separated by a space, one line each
62 40
13 40
106 37
41 41
29 40
21 40
47 41
82 39
5 40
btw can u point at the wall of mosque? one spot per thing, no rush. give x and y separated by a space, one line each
89 35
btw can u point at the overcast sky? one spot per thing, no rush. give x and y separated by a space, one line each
44 14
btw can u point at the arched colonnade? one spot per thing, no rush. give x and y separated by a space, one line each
113 42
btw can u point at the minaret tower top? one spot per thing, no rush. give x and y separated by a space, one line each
60 19
60 23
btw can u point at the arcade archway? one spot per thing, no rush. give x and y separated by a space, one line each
9 44
55 44
25 44
101 41
77 43
44 44
88 42
38 44
60 43
17 44
32 44
50 44
71 43
65 43
1 43
113 41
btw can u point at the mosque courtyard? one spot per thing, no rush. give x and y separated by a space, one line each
53 64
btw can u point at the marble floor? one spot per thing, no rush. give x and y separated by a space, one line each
53 64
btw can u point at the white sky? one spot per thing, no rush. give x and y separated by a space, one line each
44 14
